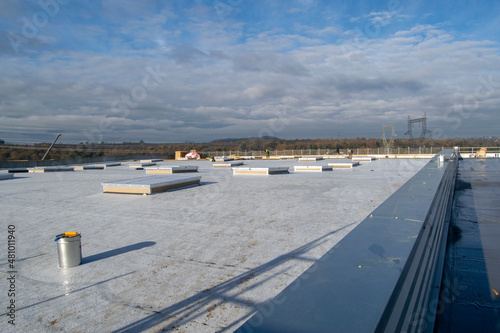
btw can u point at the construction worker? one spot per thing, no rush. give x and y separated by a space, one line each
267 153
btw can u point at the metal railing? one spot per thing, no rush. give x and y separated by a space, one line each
329 152
474 150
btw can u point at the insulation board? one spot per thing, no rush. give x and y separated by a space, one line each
312 168
363 159
172 169
89 167
259 171
150 184
343 165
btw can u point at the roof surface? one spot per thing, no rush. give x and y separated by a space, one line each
472 271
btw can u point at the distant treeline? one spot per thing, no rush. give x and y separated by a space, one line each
60 151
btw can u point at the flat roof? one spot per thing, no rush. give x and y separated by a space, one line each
472 271
200 259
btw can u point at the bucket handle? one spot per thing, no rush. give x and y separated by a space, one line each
66 234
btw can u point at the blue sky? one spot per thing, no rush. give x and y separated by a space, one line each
179 70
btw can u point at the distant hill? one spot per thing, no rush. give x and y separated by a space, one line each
264 138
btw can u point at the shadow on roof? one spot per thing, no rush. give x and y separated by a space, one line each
198 305
116 252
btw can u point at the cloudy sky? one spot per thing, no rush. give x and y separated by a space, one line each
181 70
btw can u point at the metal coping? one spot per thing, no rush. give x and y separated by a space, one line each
136 165
387 270
345 165
228 164
224 159
151 160
108 164
18 170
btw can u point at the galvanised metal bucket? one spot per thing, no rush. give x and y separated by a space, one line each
69 249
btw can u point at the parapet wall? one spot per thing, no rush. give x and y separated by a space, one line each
385 275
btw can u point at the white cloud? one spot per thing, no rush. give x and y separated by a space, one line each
220 78
386 17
